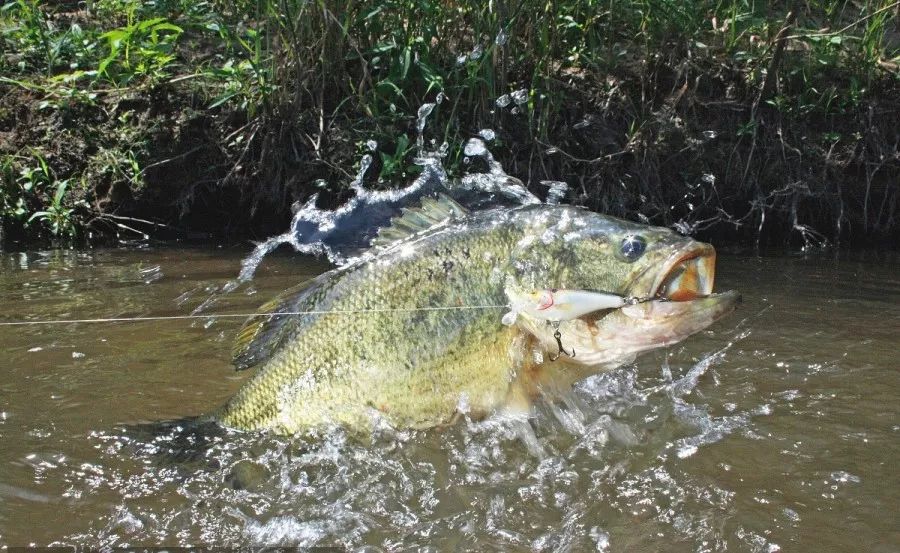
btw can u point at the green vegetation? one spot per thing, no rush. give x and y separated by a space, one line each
756 119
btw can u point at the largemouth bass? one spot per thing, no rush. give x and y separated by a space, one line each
414 332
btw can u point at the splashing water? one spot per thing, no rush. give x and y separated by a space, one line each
777 440
344 234
487 134
557 191
498 186
477 480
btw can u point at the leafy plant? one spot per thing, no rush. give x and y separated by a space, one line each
12 201
139 49
32 194
394 167
57 216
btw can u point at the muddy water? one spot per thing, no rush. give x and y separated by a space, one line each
777 429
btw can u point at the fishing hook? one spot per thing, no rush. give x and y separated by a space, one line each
562 351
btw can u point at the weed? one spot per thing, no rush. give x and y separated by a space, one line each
31 194
139 49
56 216
605 92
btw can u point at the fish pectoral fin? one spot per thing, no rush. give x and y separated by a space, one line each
264 332
416 219
519 399
524 388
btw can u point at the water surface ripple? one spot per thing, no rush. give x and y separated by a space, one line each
777 429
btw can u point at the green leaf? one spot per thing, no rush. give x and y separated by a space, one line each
222 99
407 59
115 37
144 25
61 187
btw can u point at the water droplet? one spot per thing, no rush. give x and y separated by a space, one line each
557 192
519 96
844 476
422 116
487 134
686 451
601 539
475 148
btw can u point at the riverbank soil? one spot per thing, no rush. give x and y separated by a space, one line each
749 124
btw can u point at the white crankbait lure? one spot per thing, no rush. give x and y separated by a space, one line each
560 305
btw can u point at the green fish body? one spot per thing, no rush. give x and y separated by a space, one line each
412 332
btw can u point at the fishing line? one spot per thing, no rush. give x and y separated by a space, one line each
246 315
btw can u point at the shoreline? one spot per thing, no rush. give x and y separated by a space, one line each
754 129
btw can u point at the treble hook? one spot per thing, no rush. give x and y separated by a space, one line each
562 351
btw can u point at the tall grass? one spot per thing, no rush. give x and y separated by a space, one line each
303 83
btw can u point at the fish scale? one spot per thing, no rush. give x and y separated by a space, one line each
367 351
410 366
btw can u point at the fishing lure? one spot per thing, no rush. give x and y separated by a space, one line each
560 305
555 305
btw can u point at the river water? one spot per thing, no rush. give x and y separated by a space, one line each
776 429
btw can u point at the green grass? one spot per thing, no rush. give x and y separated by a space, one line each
296 78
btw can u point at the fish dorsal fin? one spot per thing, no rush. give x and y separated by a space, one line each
263 333
416 219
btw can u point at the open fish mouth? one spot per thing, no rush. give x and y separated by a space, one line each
686 275
682 289
673 302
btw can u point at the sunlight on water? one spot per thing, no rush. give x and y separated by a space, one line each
476 481
774 430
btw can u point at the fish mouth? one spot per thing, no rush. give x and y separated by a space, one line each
687 274
682 295
675 299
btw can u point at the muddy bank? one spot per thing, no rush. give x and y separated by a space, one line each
784 142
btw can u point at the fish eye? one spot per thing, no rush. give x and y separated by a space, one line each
633 247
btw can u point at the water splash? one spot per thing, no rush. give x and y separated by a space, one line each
557 191
410 488
487 134
421 120
343 235
495 182
518 97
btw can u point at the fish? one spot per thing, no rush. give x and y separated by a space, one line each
442 318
